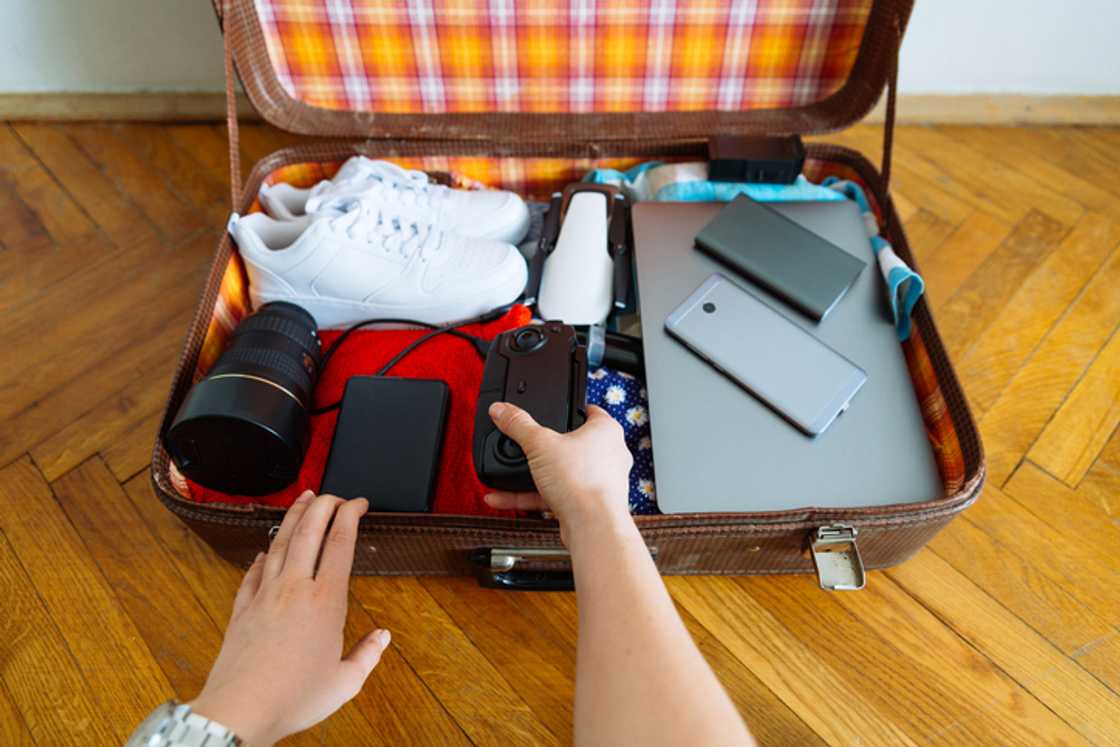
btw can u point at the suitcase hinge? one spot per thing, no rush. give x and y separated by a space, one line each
837 559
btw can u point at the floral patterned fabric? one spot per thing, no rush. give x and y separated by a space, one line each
624 397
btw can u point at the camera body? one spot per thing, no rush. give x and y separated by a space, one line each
543 370
244 428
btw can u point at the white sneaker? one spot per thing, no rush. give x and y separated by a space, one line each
366 263
481 214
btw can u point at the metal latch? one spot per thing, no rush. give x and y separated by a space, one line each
504 559
495 569
836 558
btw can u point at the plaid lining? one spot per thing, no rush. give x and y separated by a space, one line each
549 56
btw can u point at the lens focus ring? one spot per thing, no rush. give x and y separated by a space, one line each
298 333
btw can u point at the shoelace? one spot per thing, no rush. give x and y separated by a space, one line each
380 179
372 221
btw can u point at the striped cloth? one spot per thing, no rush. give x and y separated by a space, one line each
552 55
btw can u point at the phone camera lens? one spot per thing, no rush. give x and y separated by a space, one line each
709 307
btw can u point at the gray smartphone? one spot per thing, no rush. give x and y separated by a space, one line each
795 374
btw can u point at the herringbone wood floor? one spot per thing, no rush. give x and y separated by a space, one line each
1003 631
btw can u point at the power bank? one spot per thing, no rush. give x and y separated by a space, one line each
387 442
794 263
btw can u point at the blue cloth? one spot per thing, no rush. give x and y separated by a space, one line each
904 286
624 398
688 182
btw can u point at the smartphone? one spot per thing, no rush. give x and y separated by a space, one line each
795 374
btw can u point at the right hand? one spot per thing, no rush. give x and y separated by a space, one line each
582 476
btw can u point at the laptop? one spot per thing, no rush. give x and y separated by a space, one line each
717 448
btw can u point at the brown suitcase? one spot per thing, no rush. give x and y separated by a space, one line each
281 58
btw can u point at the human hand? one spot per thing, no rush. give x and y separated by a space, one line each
281 668
581 476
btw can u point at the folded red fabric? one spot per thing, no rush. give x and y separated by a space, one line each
445 357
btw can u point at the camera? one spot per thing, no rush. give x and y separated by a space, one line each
243 429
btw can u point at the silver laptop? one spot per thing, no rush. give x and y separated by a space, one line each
717 448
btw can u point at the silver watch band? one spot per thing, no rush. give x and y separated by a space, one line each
174 725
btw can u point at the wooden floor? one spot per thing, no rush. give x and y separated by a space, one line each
1003 631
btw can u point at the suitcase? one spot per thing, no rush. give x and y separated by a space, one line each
443 89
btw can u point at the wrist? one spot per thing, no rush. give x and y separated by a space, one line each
597 527
243 721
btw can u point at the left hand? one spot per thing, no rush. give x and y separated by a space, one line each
281 668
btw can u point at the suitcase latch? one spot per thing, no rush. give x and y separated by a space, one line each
504 559
837 559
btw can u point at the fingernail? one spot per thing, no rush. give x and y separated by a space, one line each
305 496
259 558
497 409
489 498
383 637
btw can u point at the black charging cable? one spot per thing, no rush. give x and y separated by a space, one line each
481 346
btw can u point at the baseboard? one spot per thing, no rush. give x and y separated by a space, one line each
1004 109
145 106
985 109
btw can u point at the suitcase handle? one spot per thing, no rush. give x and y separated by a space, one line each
494 568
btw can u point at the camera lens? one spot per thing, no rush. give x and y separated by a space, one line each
709 308
280 344
243 428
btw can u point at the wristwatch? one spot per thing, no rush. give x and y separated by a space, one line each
173 725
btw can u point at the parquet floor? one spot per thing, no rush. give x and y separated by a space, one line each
1003 631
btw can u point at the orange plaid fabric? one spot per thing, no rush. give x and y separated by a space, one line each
533 178
550 56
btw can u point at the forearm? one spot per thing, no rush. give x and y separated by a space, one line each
639 677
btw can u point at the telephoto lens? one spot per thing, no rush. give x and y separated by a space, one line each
244 428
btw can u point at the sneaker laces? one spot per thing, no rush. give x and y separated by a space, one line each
373 222
381 179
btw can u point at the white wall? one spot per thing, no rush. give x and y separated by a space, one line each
1012 46
953 46
109 45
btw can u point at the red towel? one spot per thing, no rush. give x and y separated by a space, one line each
445 357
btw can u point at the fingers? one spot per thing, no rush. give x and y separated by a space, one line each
249 585
516 501
357 665
518 424
278 550
338 550
597 417
596 414
307 539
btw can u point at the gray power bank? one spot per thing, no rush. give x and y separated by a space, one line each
791 262
798 376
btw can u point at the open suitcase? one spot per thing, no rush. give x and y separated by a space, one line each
441 87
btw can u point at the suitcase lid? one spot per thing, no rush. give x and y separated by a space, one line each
562 72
